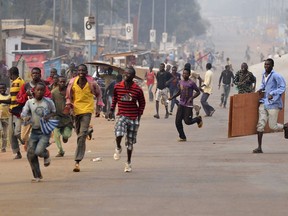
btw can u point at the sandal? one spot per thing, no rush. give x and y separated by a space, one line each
257 150
212 112
182 140
197 109
89 133
156 116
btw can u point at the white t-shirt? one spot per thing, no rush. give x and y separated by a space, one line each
38 109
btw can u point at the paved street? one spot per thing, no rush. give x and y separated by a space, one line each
209 175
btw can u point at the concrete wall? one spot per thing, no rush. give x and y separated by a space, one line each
11 43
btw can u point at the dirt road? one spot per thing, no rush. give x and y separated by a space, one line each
207 175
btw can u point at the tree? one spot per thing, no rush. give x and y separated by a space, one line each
1 40
183 19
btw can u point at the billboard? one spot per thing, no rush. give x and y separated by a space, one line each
52 63
31 60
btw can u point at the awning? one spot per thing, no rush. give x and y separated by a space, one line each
107 65
33 42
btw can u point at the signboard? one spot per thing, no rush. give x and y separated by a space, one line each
152 35
164 37
129 31
32 60
52 63
89 28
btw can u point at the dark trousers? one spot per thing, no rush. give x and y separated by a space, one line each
225 94
207 108
82 123
186 114
173 91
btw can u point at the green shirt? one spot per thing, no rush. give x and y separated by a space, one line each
244 81
60 102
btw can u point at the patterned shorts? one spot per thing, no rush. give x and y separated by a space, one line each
125 125
162 95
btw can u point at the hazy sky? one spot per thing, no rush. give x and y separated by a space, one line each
235 24
245 8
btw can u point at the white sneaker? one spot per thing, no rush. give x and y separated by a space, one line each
35 180
128 167
117 153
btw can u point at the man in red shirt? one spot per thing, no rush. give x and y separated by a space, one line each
131 103
150 79
50 80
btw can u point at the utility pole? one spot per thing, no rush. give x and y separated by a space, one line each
60 27
90 42
71 20
138 21
25 20
1 39
111 22
152 26
165 17
129 22
97 28
54 25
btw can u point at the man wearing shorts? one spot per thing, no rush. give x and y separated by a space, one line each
131 103
271 90
163 79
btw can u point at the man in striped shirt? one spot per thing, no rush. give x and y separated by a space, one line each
15 110
131 103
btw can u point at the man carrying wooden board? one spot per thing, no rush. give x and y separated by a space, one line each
271 89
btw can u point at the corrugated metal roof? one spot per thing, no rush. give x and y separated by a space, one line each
31 51
10 27
32 42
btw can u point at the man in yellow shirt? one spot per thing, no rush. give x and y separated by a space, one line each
80 96
4 115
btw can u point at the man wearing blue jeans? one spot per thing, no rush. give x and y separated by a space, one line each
35 109
226 78
271 90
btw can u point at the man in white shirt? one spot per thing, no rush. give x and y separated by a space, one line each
207 90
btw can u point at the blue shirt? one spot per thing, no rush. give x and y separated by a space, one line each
275 85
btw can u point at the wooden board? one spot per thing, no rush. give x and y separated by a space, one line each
243 115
